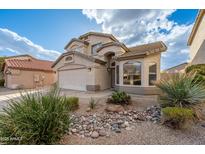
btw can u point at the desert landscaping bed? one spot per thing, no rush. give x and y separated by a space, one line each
127 127
145 133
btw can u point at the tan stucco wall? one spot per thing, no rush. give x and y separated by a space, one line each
199 58
144 69
198 39
25 78
92 39
80 47
102 78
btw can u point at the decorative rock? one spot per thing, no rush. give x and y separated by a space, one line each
141 117
203 125
74 130
123 125
126 123
88 109
81 132
128 128
95 134
149 117
102 133
117 130
114 108
116 119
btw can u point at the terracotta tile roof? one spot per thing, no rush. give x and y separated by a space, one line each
144 50
29 64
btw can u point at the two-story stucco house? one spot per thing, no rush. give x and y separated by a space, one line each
98 61
196 40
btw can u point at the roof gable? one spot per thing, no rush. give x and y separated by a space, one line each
90 58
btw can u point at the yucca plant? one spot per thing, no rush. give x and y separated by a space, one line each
92 103
181 90
35 119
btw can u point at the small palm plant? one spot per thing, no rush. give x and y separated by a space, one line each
181 90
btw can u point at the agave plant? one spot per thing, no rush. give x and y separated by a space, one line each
35 119
181 90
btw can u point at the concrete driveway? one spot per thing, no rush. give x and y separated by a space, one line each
6 95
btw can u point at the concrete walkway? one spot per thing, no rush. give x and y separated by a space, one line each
101 97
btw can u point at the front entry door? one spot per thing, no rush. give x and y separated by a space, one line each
112 77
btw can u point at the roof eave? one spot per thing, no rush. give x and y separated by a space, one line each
73 40
197 22
98 34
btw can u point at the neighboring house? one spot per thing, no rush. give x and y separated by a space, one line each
25 71
196 40
98 61
176 69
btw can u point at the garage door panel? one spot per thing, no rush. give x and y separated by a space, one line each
73 79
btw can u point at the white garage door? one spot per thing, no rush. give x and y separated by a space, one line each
73 79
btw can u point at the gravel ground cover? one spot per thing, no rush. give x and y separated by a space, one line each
128 127
145 132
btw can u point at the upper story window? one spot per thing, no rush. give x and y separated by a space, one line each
95 47
152 73
132 73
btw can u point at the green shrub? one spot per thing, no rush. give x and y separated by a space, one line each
92 103
177 117
2 82
181 90
35 119
73 103
119 98
199 69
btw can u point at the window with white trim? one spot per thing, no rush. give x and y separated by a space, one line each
132 73
152 73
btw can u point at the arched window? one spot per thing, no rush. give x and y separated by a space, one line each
152 73
69 58
132 73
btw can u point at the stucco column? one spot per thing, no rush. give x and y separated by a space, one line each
144 81
121 74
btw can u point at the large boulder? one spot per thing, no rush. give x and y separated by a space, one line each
114 108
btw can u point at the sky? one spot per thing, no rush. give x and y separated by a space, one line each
44 33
